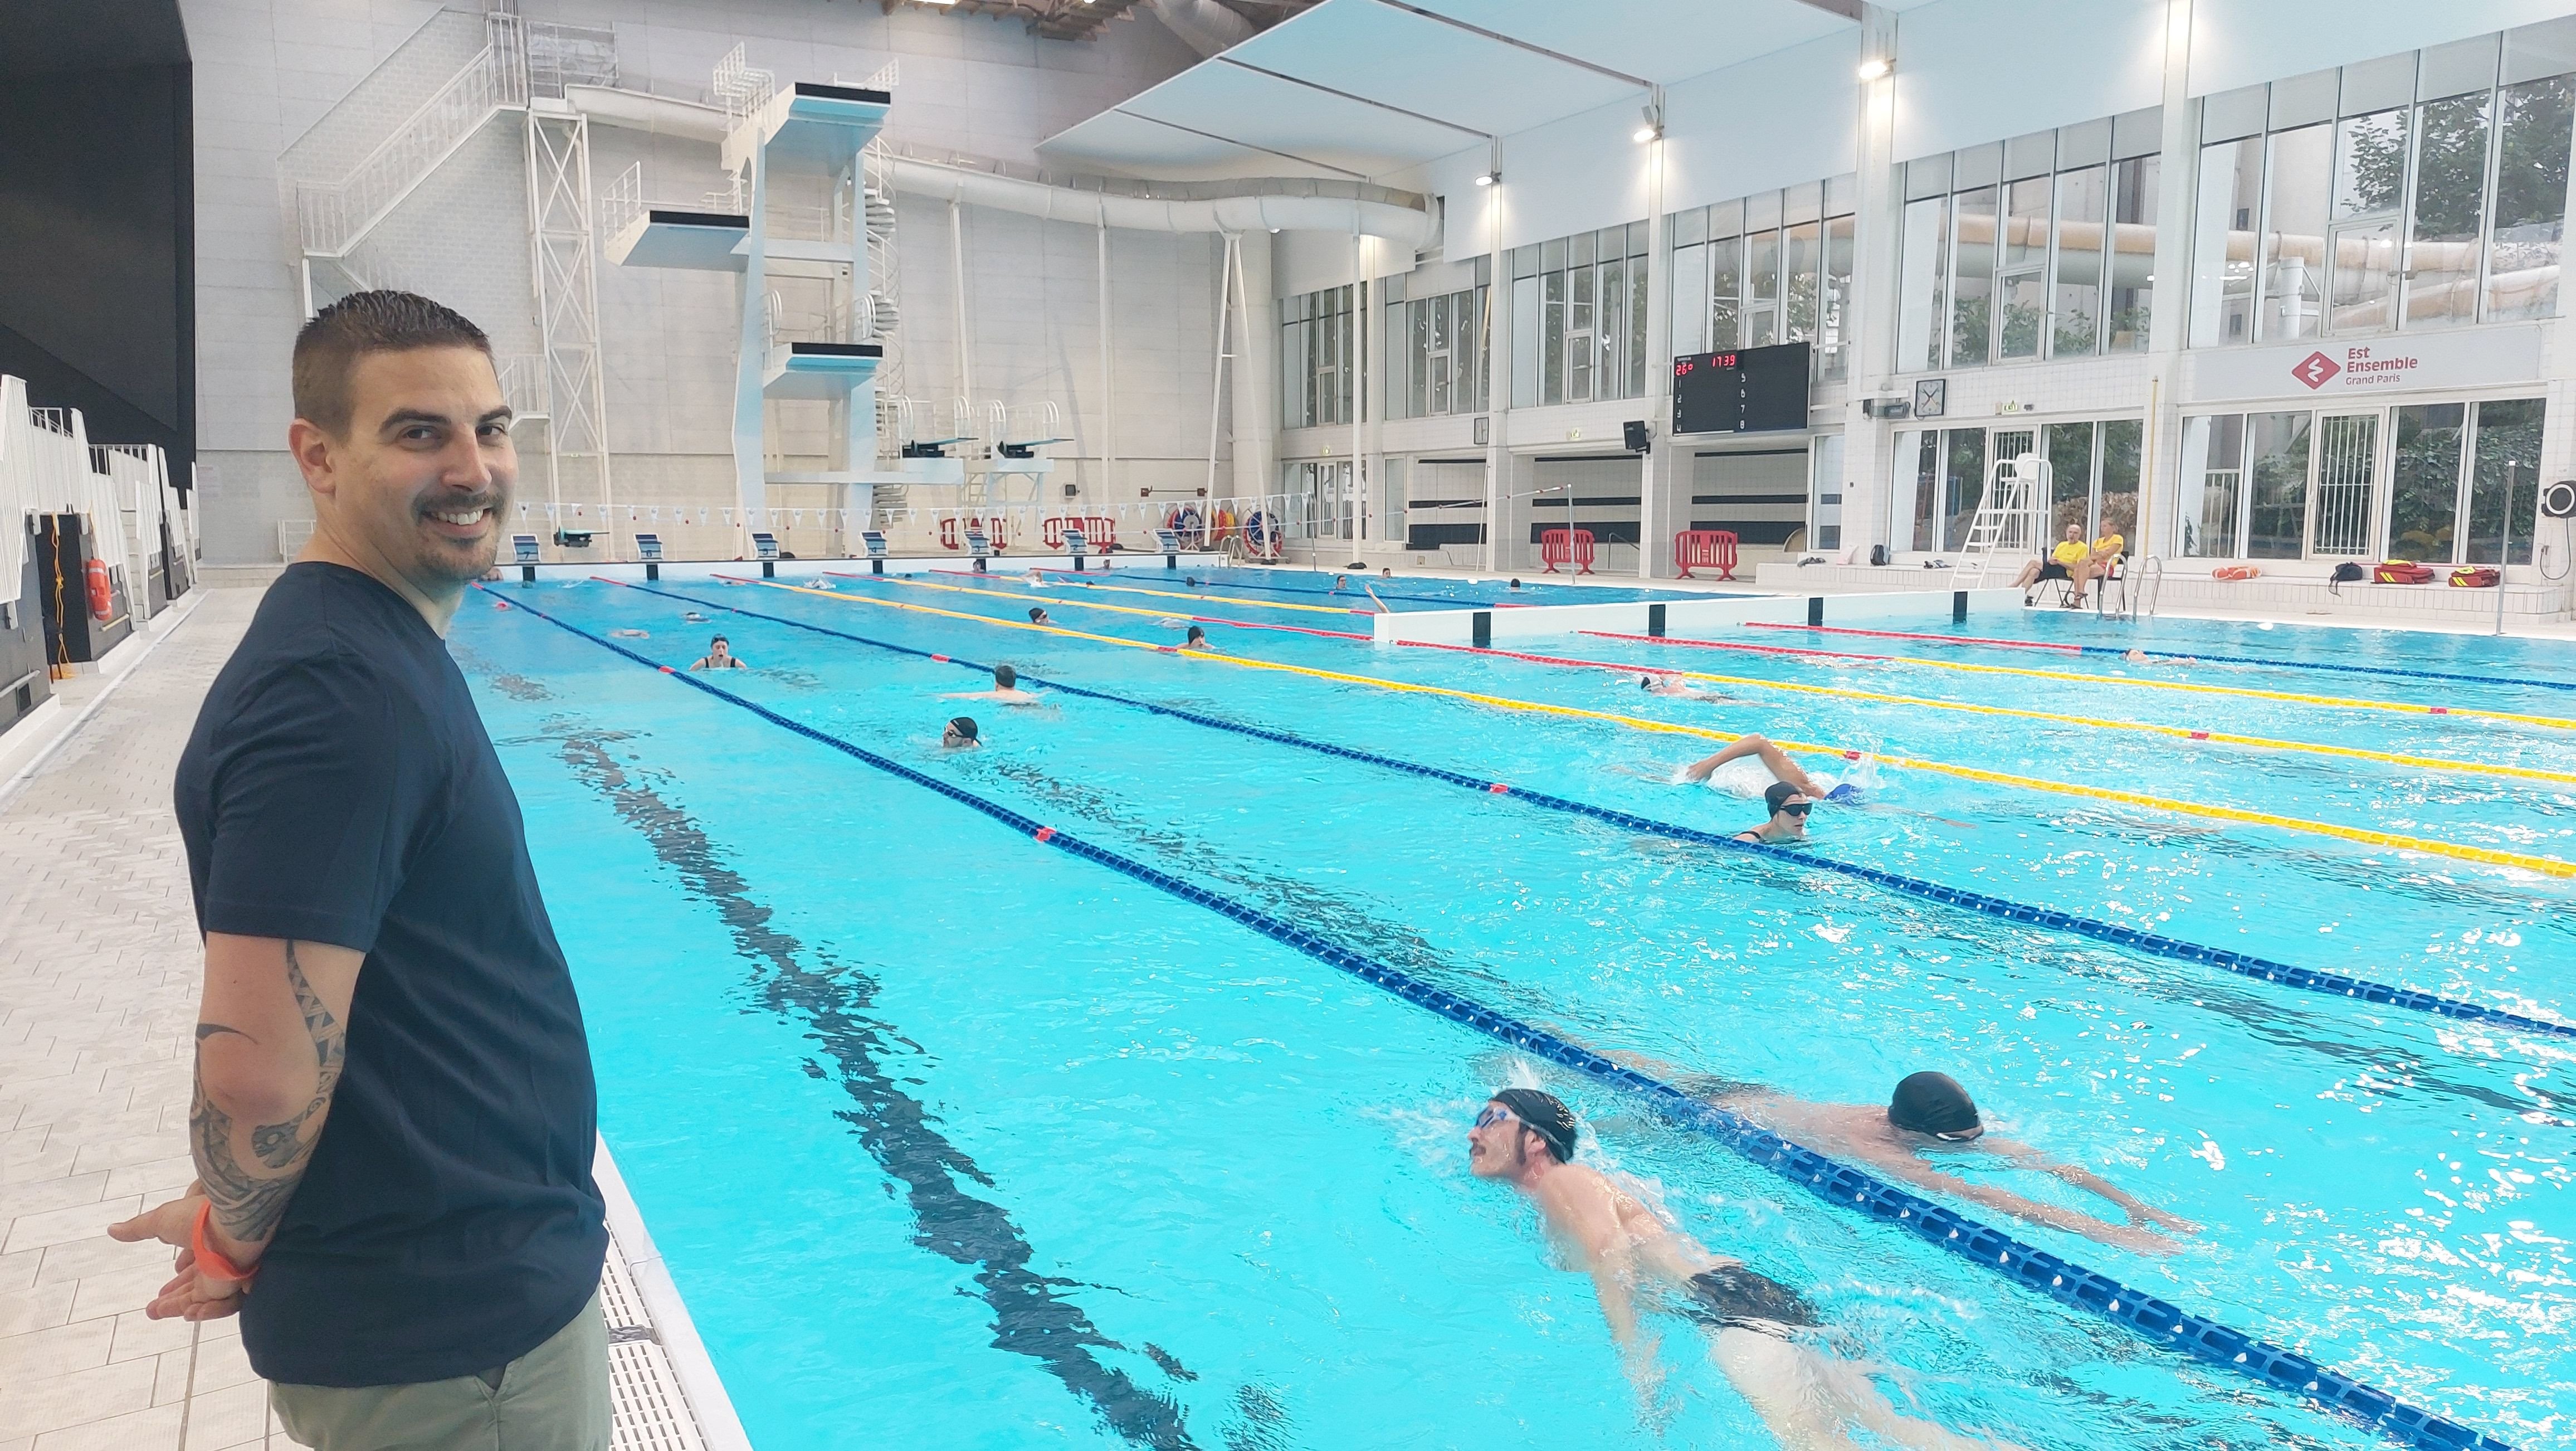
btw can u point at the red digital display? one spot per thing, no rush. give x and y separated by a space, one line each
1683 367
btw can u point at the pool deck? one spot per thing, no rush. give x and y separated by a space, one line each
99 971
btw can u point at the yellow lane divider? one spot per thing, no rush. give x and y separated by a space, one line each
2546 866
1831 659
1043 602
1060 583
2264 743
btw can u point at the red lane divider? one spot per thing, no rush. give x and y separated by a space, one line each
1732 645
1909 635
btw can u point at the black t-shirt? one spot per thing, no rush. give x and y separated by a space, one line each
339 787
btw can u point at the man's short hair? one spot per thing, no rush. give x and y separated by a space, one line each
328 349
1005 677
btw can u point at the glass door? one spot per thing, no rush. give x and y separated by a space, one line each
2347 454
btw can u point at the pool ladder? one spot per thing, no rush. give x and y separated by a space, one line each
2138 590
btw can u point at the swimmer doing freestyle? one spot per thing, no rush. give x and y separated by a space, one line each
1640 1261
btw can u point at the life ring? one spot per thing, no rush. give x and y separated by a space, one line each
1224 525
101 597
1185 523
1261 534
2235 571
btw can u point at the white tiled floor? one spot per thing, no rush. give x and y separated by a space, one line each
99 967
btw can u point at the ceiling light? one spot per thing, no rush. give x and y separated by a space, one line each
1488 178
1875 67
1642 135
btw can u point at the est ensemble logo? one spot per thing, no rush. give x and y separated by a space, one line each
2360 368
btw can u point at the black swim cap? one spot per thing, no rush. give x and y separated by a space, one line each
1546 1115
1036 614
1005 677
1778 796
964 726
1932 1103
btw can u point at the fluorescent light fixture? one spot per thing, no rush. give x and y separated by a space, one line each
1875 67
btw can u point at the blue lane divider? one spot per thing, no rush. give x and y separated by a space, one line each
2244 964
1837 1183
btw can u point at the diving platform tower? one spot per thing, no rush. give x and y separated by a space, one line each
795 218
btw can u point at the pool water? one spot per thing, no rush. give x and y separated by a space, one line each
951 1138
1364 589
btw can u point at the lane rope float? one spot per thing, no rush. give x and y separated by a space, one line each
2149 943
2023 1264
2263 743
1129 589
2331 665
1045 601
2429 846
2337 702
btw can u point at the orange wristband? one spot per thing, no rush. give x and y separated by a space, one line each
210 1262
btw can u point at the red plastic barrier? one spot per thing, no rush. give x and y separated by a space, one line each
1705 549
1566 546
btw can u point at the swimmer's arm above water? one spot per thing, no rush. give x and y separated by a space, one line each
2139 1211
2004 1201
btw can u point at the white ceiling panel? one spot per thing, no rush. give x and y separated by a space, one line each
1297 119
1660 40
1391 55
1127 145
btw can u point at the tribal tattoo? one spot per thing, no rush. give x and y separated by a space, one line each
250 1198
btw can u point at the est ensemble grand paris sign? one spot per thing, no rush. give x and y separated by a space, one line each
2384 363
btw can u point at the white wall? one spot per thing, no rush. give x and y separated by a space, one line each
2239 42
1972 71
298 82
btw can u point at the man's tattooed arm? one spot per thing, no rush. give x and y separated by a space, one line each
250 1145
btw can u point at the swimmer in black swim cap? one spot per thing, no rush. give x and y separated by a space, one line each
961 731
1640 1261
1928 1114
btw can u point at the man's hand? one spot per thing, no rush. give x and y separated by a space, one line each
189 1295
2145 1214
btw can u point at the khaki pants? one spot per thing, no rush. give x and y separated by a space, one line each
554 1398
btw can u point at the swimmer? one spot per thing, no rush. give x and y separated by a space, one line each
628 635
693 617
1516 584
1198 640
1782 768
1386 572
1039 617
1930 1113
1006 689
719 656
1788 823
1639 1261
1341 583
960 733
2141 657
1035 580
1671 685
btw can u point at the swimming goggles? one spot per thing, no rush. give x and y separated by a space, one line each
1495 1113
1799 808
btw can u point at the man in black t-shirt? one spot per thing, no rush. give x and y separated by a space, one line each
394 1114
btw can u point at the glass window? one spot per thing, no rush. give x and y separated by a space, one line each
1825 493
2276 468
2021 277
1963 483
1527 320
1762 289
2424 494
2504 482
1923 460
2133 254
1579 323
1418 346
1972 277
1833 325
1690 300
2116 507
2347 478
2070 480
1805 257
2083 199
1922 294
2370 182
2213 479
2222 248
2294 230
1611 334
2448 216
1725 294
1551 363
2531 198
1637 295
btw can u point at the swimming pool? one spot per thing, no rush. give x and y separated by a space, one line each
967 1142
1281 587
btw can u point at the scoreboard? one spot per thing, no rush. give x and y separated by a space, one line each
1748 390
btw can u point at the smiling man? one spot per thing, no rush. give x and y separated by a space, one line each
394 1113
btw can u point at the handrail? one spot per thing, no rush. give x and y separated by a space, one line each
331 217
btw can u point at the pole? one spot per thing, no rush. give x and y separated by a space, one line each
1216 389
1108 397
2504 553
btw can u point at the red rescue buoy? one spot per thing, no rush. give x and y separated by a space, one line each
101 599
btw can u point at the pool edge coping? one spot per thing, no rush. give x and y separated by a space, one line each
710 1405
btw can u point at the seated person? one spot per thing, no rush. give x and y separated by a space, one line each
2070 560
1006 689
719 656
2106 554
